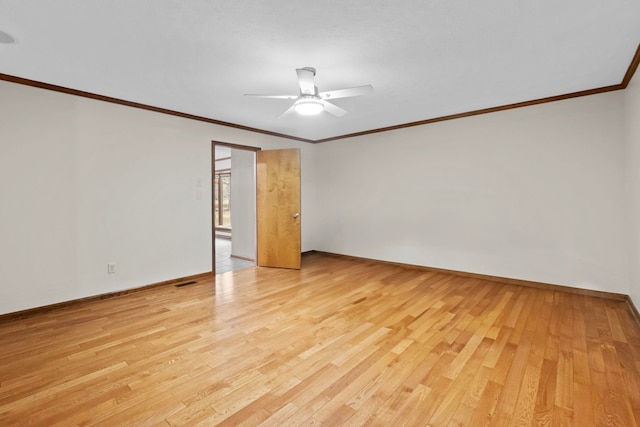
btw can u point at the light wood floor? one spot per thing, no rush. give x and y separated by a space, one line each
341 342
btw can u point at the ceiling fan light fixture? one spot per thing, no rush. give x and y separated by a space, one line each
308 107
310 102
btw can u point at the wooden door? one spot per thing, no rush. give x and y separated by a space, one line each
278 208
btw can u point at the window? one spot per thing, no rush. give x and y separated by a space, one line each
222 195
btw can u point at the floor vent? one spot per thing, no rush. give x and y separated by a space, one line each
179 285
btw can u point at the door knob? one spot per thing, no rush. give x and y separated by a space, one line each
296 215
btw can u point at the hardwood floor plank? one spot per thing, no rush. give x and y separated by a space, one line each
340 342
546 392
483 414
523 414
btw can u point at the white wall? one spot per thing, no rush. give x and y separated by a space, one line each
38 213
632 94
534 193
243 204
84 183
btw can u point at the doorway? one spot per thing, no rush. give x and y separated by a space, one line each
233 207
271 189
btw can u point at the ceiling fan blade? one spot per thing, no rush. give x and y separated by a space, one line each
257 95
287 112
333 109
345 93
305 77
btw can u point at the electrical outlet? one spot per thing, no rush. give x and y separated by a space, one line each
111 268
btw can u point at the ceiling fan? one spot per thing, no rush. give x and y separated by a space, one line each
310 101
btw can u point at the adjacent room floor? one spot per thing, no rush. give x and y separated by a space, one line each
224 261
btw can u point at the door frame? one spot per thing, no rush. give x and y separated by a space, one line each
213 201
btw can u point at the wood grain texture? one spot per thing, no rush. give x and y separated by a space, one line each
278 222
506 280
341 342
46 308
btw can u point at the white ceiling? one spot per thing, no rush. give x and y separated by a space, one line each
425 58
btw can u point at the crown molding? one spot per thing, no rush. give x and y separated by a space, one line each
633 66
81 93
632 69
478 112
